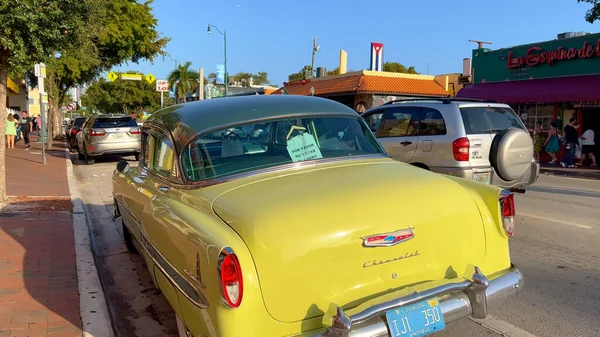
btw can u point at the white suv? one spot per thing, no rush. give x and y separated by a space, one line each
473 139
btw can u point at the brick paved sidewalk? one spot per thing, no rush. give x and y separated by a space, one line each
38 274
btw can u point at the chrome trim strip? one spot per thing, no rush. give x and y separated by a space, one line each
179 281
457 300
122 205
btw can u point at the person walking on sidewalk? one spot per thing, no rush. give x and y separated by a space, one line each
538 140
26 126
18 124
552 144
588 147
571 142
10 130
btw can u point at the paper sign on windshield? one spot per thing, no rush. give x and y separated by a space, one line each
303 147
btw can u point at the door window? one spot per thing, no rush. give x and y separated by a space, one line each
145 149
374 119
432 123
401 122
161 155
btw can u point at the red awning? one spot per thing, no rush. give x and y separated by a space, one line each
559 89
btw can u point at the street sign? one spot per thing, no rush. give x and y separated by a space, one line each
44 98
131 77
162 85
112 76
71 106
40 70
150 78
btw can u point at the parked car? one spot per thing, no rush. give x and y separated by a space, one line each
73 130
311 231
107 134
473 139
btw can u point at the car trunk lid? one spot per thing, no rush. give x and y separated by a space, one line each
306 232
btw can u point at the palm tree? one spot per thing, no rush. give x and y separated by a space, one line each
183 80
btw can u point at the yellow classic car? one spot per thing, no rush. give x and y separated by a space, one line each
283 216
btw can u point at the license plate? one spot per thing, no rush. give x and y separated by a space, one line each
415 320
482 177
117 135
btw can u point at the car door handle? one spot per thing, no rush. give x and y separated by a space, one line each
163 188
406 143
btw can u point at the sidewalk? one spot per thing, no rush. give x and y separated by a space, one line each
39 285
576 172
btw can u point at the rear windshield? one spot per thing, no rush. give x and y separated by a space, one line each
489 119
105 123
78 122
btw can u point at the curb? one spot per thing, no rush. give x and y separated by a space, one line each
93 309
571 174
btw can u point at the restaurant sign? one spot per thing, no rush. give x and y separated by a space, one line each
557 58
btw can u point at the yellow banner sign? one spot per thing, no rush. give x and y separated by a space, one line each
13 86
131 77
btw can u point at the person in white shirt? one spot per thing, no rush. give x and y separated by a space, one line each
588 146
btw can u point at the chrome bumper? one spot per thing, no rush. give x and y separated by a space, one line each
457 300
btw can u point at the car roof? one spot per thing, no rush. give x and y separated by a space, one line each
433 102
188 119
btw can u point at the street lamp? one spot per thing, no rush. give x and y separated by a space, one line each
224 33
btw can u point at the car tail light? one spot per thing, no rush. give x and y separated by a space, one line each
135 131
507 207
93 132
74 131
230 277
460 149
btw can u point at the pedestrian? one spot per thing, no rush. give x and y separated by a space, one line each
26 127
538 141
571 142
34 123
17 120
38 123
10 130
588 147
552 144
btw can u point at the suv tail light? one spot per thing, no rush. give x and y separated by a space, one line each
460 149
507 207
230 277
135 131
93 132
74 131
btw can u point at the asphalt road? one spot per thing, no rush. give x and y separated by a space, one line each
556 246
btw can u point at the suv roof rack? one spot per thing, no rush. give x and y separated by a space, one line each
445 100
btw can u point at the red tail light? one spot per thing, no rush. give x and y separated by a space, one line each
230 276
135 131
460 149
93 132
74 131
507 205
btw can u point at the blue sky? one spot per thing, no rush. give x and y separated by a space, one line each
276 36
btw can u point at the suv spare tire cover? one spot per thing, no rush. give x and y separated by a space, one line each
511 153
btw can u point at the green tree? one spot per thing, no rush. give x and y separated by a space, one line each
29 32
593 14
396 67
122 96
301 75
117 31
184 80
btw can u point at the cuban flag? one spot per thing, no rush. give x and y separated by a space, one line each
376 56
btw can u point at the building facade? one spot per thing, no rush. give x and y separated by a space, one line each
544 81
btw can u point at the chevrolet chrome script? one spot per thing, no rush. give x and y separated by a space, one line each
388 239
380 262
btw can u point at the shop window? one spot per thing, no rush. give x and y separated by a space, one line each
532 113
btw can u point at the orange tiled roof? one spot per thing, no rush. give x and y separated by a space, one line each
364 83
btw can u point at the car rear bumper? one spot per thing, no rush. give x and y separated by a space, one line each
470 173
98 149
457 300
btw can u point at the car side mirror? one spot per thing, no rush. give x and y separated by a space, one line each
123 166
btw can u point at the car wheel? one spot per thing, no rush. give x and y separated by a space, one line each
80 155
88 160
511 153
137 157
128 238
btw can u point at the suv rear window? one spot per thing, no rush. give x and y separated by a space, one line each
105 123
78 122
489 119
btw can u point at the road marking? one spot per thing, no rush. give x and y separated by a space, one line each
504 328
562 222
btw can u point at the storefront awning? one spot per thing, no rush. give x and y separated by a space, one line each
559 89
12 86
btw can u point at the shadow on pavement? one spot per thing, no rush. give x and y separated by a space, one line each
38 283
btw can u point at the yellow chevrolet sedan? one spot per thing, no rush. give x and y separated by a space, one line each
284 216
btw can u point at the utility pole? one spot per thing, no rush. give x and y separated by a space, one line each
201 84
315 49
40 73
480 43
